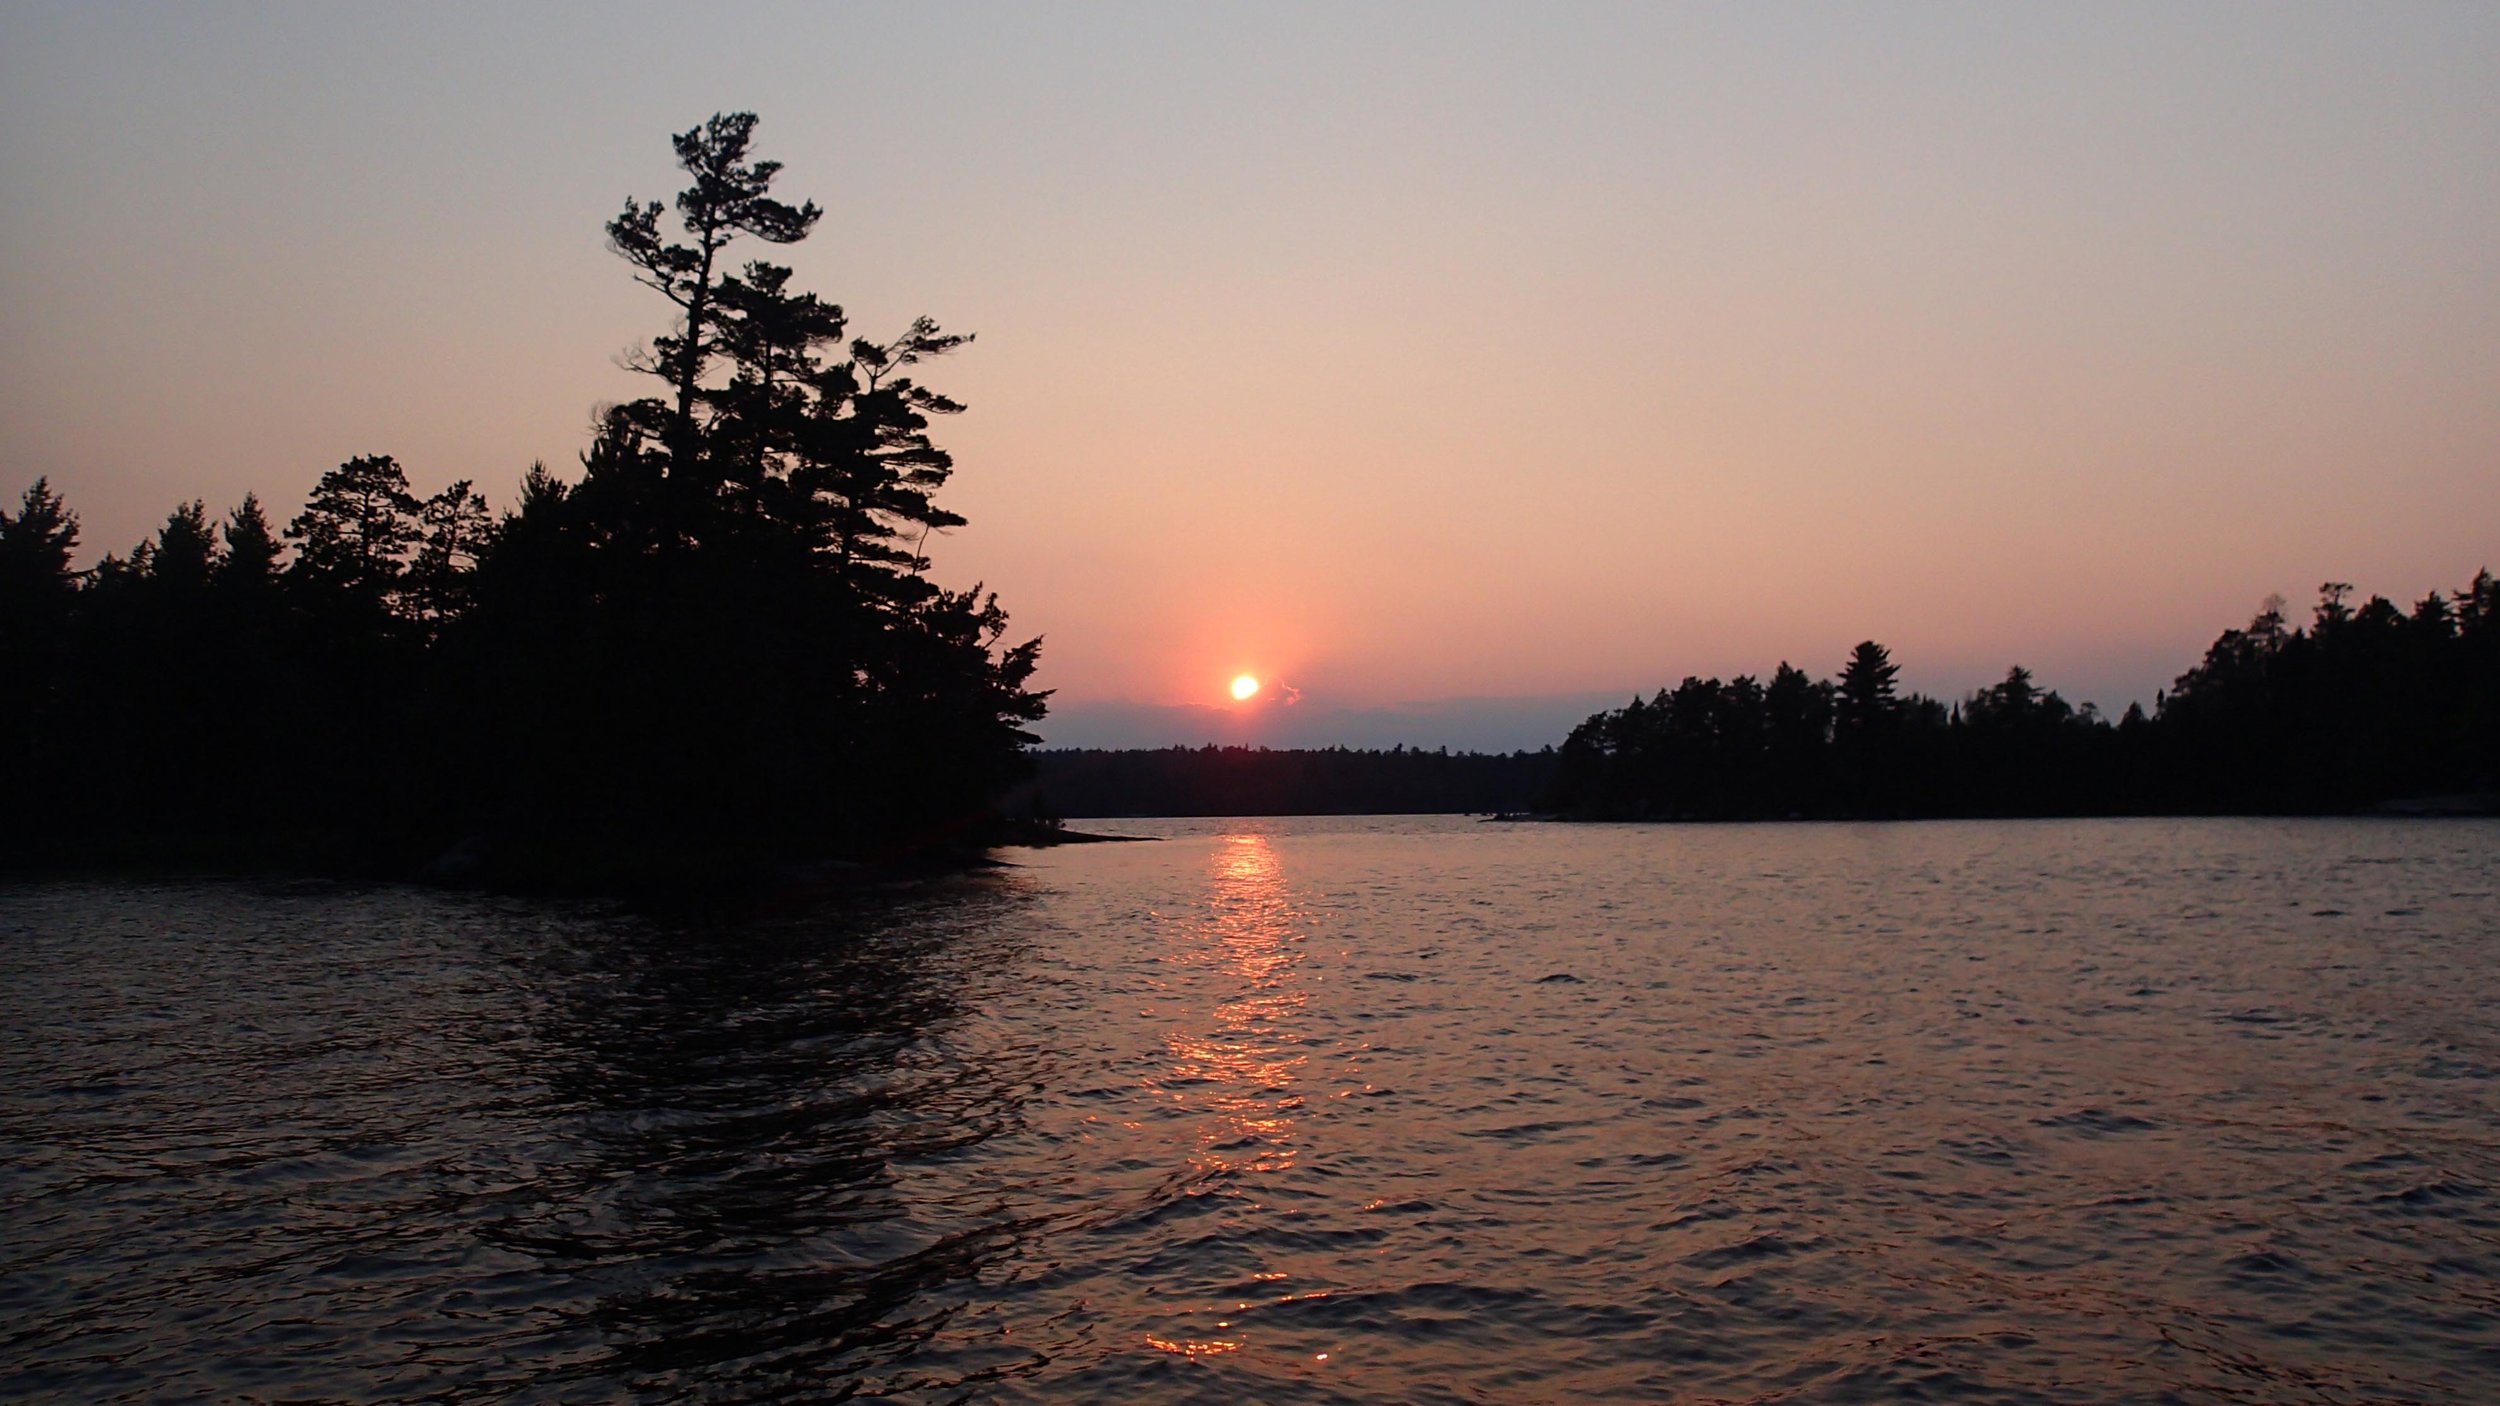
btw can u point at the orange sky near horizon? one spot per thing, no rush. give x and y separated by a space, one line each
1392 355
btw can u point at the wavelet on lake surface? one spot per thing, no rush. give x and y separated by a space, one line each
1359 1110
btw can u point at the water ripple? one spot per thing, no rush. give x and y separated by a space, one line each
1354 1111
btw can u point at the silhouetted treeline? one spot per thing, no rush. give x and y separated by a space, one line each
2363 707
1077 783
722 636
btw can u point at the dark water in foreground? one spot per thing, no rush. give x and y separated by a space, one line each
1314 1111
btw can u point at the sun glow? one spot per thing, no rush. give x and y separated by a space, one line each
1245 688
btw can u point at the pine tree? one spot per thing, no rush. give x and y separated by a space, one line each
186 557
729 198
1863 698
355 533
35 548
455 530
250 561
38 593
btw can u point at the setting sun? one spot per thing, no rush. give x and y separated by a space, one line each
1244 687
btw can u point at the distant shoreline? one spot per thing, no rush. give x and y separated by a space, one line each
1028 835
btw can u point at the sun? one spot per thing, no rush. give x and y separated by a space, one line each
1245 687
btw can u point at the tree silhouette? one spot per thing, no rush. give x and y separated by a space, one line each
1862 700
735 593
355 532
719 648
35 549
454 531
250 560
186 550
38 599
729 198
757 688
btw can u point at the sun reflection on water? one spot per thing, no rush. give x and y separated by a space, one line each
1192 1347
1241 1070
1235 1066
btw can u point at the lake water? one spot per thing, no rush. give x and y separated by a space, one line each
1397 1110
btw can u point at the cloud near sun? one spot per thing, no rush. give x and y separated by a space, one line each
1246 688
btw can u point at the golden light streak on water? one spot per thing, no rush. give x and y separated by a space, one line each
1239 1066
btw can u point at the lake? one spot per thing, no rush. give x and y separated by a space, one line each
1344 1110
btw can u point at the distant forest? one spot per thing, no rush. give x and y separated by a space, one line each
1078 783
721 639
2366 706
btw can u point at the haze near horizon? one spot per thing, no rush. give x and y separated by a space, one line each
1451 371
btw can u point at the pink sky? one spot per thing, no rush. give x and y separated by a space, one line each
1404 355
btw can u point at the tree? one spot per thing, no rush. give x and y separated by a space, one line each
38 592
186 549
772 337
734 594
250 561
1863 698
2266 631
455 529
728 198
862 472
2332 612
2015 702
356 530
35 548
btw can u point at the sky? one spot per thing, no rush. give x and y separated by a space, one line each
1457 369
